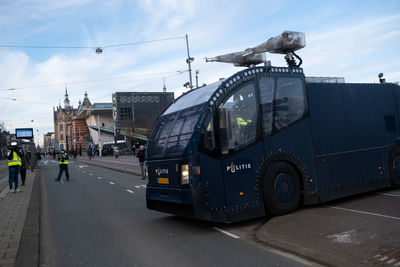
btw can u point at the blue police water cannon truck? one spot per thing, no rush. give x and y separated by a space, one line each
268 139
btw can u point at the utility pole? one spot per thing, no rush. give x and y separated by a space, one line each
98 128
197 78
188 61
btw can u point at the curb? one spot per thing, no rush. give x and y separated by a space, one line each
29 248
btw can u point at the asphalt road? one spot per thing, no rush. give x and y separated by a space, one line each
99 218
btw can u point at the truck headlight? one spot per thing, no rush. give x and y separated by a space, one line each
185 174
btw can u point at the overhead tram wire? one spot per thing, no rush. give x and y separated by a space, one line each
90 81
89 47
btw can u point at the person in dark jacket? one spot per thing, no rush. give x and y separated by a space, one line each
25 163
142 160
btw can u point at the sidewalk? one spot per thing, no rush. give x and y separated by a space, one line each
13 211
125 163
335 237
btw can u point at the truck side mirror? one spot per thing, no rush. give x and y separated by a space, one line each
225 129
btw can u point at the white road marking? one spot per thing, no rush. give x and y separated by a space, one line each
130 191
4 192
142 185
365 212
90 173
344 237
384 258
226 232
98 177
111 182
84 171
387 194
61 181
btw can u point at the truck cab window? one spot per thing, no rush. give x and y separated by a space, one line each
266 86
289 104
240 119
209 138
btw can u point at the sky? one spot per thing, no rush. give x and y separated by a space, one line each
356 40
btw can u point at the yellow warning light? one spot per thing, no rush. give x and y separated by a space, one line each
241 193
311 180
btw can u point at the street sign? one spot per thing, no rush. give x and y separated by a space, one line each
61 146
24 133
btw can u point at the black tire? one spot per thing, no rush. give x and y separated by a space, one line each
394 166
281 189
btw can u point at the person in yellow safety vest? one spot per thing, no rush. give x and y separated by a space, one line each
14 165
63 165
241 122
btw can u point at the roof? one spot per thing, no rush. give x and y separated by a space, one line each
101 106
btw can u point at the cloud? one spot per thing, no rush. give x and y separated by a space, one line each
350 42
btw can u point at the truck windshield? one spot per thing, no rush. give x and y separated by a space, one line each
172 132
175 126
193 98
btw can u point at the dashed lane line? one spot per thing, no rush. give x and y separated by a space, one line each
111 183
98 177
130 191
142 185
90 173
226 233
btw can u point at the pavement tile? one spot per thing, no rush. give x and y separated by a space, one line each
13 210
3 262
11 255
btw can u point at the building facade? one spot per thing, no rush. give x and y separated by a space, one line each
62 123
48 142
136 112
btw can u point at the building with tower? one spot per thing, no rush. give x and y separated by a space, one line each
62 117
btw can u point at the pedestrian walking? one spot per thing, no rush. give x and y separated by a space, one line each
89 153
134 149
74 154
142 160
14 165
63 165
116 152
25 163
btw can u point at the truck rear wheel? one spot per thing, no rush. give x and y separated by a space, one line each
394 161
281 189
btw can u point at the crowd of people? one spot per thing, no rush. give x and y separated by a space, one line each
19 161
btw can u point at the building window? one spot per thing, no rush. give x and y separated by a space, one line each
61 137
61 127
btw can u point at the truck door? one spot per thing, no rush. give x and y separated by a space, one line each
240 151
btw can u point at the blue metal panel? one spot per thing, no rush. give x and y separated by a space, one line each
295 140
327 117
360 121
212 178
240 177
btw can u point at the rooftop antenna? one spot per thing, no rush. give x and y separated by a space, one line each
285 43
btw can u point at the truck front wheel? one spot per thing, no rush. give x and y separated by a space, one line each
281 189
